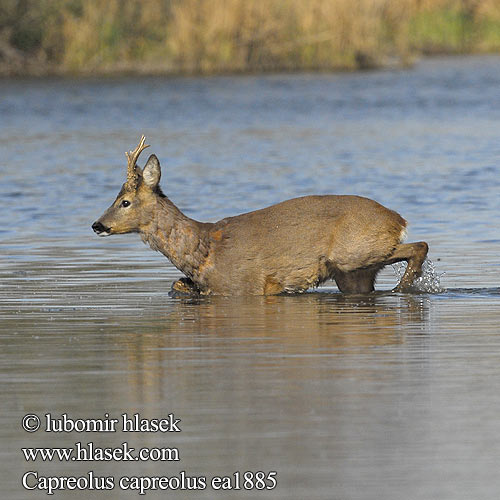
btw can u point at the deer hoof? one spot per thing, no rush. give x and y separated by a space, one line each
184 287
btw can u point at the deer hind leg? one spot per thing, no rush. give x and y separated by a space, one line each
359 281
414 254
183 287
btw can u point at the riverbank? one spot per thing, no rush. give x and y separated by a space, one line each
88 37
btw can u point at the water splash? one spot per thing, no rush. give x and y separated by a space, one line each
429 282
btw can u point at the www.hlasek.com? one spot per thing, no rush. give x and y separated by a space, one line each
90 452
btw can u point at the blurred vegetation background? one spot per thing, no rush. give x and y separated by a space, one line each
40 37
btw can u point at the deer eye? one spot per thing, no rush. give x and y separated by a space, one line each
125 203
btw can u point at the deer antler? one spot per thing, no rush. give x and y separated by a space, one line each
132 157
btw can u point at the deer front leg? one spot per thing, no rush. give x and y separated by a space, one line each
414 254
183 287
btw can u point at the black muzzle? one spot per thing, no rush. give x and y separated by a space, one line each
100 228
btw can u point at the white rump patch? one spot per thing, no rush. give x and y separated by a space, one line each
403 235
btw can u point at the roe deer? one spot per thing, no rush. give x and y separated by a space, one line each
287 247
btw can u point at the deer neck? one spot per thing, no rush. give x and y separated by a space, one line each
181 239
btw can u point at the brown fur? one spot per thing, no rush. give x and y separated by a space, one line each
287 247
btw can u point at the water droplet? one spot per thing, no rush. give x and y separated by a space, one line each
429 282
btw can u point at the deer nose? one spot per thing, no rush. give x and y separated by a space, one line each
100 228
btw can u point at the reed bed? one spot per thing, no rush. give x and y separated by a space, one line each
219 36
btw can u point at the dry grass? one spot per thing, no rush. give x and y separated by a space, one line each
208 36
239 35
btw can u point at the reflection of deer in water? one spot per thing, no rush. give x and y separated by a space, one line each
288 247
274 331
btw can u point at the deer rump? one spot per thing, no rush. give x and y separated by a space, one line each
288 247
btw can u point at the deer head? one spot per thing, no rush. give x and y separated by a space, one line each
134 206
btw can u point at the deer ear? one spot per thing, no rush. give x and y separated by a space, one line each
152 172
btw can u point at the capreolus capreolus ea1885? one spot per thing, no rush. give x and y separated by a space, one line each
287 247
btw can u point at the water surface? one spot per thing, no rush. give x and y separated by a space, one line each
381 396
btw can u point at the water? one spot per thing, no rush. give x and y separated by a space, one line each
381 396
